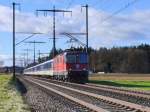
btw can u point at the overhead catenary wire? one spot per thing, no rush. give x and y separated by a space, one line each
120 10
100 3
70 3
25 39
32 34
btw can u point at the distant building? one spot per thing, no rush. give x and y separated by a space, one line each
10 69
1 63
2 70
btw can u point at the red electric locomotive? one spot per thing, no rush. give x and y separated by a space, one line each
68 66
71 66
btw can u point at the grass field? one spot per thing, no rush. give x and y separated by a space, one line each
10 98
132 81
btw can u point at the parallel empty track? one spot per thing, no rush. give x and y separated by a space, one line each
141 98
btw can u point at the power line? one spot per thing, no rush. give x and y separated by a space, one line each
32 34
72 38
70 3
25 39
120 10
100 3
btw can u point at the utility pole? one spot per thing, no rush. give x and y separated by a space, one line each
20 62
54 10
87 30
40 57
34 50
23 55
87 27
14 41
39 54
42 54
27 54
14 57
14 36
54 32
34 46
27 57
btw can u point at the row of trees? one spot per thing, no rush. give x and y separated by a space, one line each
135 59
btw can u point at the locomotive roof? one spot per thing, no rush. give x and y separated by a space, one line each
72 52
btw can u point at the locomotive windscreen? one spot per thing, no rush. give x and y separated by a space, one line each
71 58
77 58
83 58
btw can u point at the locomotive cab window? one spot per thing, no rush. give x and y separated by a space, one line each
83 58
71 58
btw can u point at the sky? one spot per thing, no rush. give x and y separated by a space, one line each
112 23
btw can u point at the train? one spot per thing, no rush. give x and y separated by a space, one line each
71 66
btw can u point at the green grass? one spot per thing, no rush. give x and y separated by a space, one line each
140 85
10 99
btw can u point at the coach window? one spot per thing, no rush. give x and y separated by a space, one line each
45 66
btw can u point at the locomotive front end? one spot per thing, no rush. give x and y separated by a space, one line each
77 66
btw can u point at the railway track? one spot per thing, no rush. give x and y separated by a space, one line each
140 98
121 89
90 101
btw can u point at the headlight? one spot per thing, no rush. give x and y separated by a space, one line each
84 68
70 69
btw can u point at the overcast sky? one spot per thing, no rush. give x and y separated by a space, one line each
107 28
